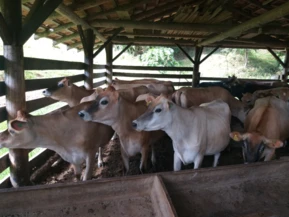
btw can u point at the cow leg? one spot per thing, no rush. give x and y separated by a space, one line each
216 159
144 159
198 161
125 160
177 162
77 170
99 158
89 167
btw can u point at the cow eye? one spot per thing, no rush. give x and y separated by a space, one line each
158 110
61 85
104 102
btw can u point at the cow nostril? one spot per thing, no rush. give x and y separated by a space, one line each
81 114
134 124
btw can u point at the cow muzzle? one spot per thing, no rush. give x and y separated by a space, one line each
85 115
46 93
136 126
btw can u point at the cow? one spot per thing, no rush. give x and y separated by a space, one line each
112 109
188 96
155 86
266 126
129 94
64 132
195 132
66 92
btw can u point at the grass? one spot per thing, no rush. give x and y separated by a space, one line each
36 151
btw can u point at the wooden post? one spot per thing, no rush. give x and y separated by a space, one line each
15 86
286 66
108 66
196 73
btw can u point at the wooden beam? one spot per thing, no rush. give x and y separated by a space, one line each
67 12
83 39
53 30
109 68
267 17
88 4
185 53
153 68
107 42
196 73
158 35
160 26
39 13
124 7
5 31
276 57
121 52
213 51
286 67
154 41
145 75
156 10
65 38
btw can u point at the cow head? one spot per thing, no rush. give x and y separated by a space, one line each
104 109
59 91
18 134
157 115
254 144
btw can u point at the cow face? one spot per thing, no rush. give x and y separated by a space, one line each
103 109
254 144
156 117
59 91
18 134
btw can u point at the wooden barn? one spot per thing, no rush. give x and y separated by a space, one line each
91 26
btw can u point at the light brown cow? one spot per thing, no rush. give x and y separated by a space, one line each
112 109
155 86
64 132
64 91
266 126
129 94
187 97
195 132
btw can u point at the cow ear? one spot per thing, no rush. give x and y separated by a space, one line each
22 115
271 143
110 88
149 99
17 126
236 136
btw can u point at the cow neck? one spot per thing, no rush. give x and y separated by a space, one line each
126 113
76 94
238 109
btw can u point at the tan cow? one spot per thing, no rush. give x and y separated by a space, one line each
64 91
195 132
188 96
155 86
266 126
64 132
112 109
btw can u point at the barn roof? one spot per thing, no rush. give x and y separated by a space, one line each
226 23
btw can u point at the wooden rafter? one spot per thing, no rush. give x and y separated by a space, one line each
65 38
5 31
186 54
157 35
88 4
276 57
267 17
161 14
54 30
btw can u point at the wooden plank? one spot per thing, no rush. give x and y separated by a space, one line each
2 62
3 114
206 57
186 54
276 57
153 68
109 70
97 84
146 75
43 64
38 15
2 88
6 183
4 31
97 66
33 105
36 84
188 84
99 75
4 162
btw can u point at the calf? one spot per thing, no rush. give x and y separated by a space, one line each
112 109
187 97
195 132
266 126
64 132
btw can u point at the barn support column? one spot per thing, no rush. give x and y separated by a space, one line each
108 66
197 60
286 66
87 38
15 86
121 52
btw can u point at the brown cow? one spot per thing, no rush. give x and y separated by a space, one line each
64 91
266 125
112 109
188 97
64 132
155 86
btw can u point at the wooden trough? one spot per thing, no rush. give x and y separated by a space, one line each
256 190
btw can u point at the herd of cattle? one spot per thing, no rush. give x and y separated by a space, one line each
142 111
